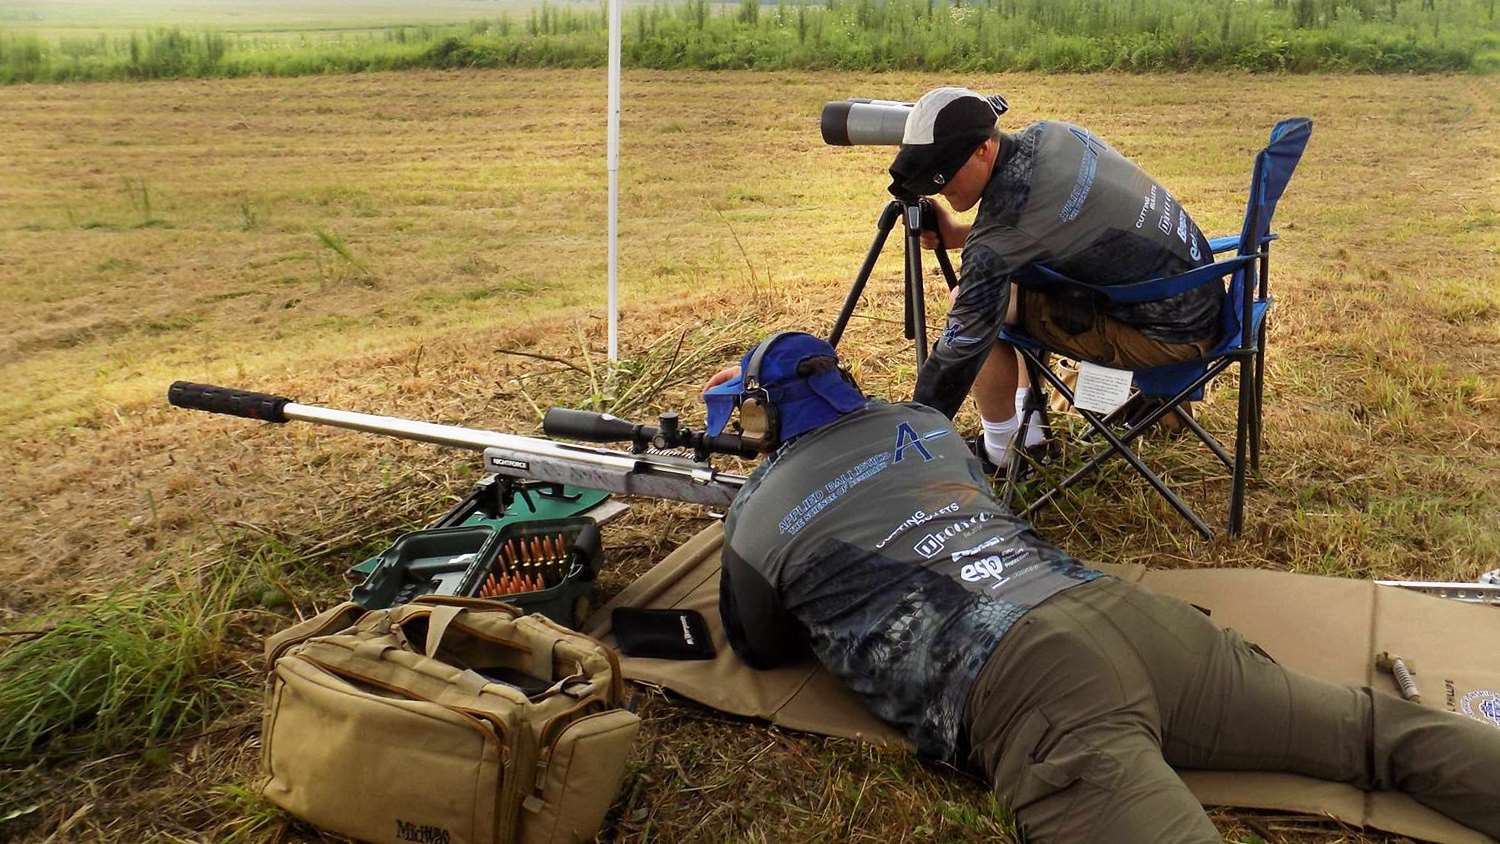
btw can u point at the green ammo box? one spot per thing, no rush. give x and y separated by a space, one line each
497 544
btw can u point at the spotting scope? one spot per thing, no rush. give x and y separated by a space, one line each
858 121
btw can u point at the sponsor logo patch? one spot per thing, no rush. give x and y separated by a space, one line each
983 546
952 338
932 544
1481 705
1087 168
907 437
1148 203
993 568
916 519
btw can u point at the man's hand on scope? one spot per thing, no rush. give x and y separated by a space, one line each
721 376
954 230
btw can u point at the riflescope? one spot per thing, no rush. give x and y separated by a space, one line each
858 121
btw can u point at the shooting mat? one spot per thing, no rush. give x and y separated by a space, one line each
1327 627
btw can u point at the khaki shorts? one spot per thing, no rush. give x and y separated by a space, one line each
1107 341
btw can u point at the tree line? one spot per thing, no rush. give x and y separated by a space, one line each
1379 36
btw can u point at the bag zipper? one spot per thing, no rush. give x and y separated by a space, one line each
548 742
477 718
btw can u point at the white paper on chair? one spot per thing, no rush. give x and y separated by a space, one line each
1100 388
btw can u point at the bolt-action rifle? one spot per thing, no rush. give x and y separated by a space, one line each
635 472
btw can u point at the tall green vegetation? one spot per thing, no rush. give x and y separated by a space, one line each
132 669
967 35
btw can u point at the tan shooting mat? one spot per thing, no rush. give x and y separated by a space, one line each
1327 627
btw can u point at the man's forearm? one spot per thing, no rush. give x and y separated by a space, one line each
758 629
972 328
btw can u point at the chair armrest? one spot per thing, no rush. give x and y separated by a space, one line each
1231 241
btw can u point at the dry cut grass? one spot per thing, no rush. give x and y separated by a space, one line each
376 242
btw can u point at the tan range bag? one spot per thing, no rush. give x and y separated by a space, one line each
444 721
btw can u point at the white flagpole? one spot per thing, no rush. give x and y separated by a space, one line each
614 180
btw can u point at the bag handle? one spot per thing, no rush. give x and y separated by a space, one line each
542 657
438 619
329 621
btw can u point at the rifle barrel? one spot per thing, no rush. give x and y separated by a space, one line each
512 455
454 436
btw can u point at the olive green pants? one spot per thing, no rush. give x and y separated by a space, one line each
1093 697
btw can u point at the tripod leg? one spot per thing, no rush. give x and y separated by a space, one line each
884 225
947 267
916 314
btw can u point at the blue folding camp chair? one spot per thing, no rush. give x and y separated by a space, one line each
1246 302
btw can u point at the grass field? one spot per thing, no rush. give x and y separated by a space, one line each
383 242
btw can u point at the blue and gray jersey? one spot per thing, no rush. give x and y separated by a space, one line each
877 541
1062 197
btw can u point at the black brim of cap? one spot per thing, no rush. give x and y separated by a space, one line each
924 169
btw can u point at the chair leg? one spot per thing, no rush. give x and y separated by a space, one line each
1260 395
1135 462
1241 447
1014 466
1145 423
1035 401
1208 439
1117 445
1122 415
1036 395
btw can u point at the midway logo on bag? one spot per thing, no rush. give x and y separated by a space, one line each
425 834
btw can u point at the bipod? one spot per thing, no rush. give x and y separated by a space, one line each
915 216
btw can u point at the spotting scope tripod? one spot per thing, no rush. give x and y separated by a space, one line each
915 216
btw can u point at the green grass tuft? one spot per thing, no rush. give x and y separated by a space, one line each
132 670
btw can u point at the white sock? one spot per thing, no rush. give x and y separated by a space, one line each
997 436
1034 433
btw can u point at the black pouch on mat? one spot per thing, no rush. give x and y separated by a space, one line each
661 634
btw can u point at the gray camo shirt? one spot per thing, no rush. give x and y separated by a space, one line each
1062 197
877 542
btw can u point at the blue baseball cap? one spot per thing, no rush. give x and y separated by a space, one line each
802 402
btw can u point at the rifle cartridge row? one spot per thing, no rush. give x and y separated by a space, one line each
528 564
